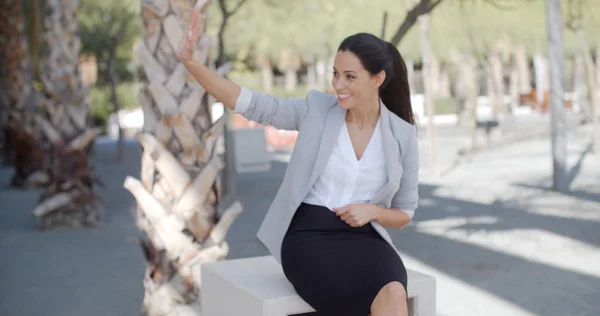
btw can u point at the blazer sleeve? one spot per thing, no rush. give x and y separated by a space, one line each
281 113
407 197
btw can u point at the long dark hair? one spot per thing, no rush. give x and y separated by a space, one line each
376 55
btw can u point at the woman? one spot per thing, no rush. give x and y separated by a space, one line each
353 173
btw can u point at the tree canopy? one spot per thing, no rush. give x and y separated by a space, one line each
314 26
107 25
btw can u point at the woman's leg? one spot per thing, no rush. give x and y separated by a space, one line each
390 301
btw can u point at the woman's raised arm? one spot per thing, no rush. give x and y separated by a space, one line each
282 113
221 88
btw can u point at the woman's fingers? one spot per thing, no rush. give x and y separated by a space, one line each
351 219
190 36
196 23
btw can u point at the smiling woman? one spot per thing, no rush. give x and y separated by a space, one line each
353 173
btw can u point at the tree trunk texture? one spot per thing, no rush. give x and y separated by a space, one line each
384 24
410 69
554 74
221 58
591 87
179 190
34 16
266 72
22 144
467 89
329 75
444 86
513 86
311 74
421 8
321 70
542 81
580 88
598 67
69 199
3 115
289 64
225 15
496 86
434 75
472 84
522 66
428 87
115 99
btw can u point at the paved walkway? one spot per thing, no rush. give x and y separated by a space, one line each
71 272
498 240
502 243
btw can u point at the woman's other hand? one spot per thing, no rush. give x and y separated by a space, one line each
191 34
357 215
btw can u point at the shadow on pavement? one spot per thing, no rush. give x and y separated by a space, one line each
540 288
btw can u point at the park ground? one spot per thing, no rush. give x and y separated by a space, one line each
498 239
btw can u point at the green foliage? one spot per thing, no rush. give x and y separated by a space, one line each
107 26
313 27
309 27
101 100
251 80
444 106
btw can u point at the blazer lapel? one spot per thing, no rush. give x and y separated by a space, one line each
391 153
333 125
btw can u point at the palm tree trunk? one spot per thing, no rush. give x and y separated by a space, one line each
179 191
22 144
69 199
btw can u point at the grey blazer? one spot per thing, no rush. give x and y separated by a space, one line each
318 120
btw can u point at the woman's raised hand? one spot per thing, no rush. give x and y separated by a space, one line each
187 43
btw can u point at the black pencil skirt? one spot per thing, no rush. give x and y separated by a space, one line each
336 268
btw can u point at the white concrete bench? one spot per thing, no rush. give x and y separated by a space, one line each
258 287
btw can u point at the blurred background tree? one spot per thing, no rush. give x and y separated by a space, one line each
109 30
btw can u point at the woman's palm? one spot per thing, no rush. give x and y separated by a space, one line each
187 43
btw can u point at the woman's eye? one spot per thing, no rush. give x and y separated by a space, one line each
351 77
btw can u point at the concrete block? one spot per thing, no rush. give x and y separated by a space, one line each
250 150
257 287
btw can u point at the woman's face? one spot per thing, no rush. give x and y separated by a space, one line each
353 84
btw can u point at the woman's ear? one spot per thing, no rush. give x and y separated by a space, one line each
378 80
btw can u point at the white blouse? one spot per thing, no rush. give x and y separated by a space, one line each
345 179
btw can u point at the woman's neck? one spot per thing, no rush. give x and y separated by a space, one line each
362 116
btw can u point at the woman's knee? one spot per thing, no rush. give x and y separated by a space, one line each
391 293
395 291
391 300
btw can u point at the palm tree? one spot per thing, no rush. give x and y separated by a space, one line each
21 142
69 199
179 192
